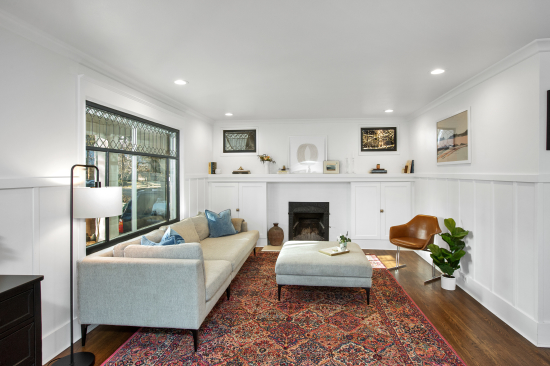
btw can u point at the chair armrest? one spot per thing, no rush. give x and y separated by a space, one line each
244 226
148 292
399 231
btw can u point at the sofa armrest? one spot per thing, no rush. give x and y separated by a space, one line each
244 227
150 292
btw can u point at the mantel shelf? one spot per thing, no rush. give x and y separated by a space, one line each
293 178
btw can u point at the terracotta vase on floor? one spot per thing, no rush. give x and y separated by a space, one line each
275 235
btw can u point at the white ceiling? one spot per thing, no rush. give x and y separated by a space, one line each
294 58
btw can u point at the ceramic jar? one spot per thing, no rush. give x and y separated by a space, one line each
275 235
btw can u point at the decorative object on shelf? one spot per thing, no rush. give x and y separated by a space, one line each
241 171
343 240
307 153
453 139
378 139
212 167
218 171
266 160
409 167
331 167
275 235
448 261
283 170
350 166
87 202
378 170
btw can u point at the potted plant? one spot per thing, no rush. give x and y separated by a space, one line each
448 261
343 240
264 158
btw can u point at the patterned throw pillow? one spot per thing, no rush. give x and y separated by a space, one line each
171 233
163 242
220 224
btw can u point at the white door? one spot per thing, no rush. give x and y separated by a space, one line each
253 206
365 210
395 204
224 196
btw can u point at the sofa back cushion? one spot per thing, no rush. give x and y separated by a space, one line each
186 229
201 225
220 224
154 236
178 251
237 223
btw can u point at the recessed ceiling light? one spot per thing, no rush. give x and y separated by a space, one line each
388 110
229 114
180 82
437 71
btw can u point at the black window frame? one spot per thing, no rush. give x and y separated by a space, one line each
255 151
134 234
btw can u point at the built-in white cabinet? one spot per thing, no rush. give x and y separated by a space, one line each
246 200
377 206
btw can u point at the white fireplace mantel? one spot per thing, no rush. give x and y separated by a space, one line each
303 178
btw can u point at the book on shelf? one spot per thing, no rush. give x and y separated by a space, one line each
212 166
379 171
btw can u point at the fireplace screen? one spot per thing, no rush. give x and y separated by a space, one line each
308 221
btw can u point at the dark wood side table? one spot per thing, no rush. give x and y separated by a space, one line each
20 321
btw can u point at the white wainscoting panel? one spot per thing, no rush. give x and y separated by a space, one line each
501 266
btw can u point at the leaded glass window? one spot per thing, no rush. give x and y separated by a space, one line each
239 141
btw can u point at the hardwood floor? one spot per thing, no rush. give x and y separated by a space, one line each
478 336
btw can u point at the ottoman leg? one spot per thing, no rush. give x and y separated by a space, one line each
367 289
280 287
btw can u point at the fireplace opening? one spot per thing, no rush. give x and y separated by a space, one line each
308 221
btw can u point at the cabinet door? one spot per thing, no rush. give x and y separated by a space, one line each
224 196
253 206
396 205
365 210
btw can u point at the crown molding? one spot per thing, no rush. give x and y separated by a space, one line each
358 121
531 49
33 34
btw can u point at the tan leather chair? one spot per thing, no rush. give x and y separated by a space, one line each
417 234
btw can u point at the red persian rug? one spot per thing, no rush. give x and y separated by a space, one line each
309 326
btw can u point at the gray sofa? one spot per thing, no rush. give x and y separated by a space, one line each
168 287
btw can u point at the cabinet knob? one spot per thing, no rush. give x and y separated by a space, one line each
381 210
237 210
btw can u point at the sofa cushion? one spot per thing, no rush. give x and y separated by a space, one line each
154 236
186 229
201 225
178 251
234 248
215 275
220 224
171 233
237 223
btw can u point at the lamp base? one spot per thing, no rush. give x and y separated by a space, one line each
80 359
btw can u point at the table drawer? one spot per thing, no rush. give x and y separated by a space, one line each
16 310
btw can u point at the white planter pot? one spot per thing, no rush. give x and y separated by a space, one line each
266 168
448 283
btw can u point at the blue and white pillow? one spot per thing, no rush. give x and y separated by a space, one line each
220 224
163 242
171 233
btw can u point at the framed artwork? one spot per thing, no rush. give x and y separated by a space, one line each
331 167
378 139
453 139
307 153
239 141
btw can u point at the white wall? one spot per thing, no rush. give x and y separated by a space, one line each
42 136
498 196
342 142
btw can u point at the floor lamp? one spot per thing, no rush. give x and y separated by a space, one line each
86 202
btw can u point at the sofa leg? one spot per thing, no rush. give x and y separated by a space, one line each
228 291
195 338
254 251
279 291
84 332
368 295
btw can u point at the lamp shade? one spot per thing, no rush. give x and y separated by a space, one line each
97 202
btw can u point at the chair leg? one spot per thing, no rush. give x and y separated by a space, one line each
228 291
279 291
367 289
84 332
397 266
195 338
434 277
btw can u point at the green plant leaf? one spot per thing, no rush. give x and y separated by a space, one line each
450 224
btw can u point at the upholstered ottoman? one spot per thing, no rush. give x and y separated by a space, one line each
301 264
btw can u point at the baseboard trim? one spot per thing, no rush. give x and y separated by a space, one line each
57 341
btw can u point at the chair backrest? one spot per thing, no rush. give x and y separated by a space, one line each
423 227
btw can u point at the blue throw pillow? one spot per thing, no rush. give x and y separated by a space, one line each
220 224
163 241
171 233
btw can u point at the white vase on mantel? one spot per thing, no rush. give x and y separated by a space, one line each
266 168
448 283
